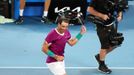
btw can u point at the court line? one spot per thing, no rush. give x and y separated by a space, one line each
65 67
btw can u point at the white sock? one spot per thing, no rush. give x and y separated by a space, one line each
45 13
21 12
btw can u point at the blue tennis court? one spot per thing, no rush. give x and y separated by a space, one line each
20 49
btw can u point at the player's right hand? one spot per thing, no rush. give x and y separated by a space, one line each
59 58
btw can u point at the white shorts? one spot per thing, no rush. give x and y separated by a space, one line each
57 68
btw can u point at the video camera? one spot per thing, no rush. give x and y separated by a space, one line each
120 5
100 21
108 6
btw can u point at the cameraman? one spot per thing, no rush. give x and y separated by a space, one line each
105 10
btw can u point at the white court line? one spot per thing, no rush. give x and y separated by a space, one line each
66 67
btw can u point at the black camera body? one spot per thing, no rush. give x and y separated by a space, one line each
105 7
95 19
100 21
119 5
116 39
108 6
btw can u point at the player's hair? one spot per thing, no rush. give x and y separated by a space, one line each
63 19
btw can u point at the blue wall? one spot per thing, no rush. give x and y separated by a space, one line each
29 10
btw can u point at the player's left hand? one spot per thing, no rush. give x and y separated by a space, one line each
119 18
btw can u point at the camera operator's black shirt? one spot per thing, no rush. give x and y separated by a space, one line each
105 7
